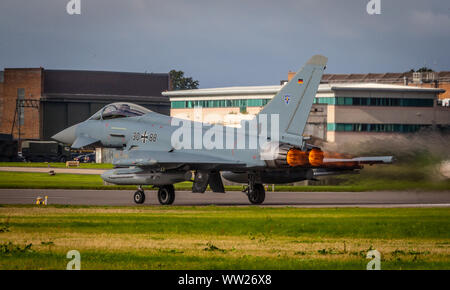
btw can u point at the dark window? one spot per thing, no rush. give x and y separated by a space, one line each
399 128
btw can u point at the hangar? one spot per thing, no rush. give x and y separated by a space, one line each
36 103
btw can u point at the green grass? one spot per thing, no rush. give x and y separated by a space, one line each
56 165
222 237
60 180
78 181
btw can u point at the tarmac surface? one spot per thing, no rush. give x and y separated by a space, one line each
185 198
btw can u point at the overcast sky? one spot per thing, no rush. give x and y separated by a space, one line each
228 42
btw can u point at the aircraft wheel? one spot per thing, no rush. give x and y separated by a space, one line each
258 194
166 194
139 197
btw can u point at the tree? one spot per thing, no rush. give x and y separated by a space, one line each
424 69
180 82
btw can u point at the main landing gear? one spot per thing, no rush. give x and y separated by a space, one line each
257 195
166 195
255 191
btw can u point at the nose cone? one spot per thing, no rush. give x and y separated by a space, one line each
66 136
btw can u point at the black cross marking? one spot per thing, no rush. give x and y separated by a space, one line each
144 137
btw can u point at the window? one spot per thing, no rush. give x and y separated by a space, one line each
331 126
255 103
340 101
395 102
358 101
178 104
340 127
399 128
417 102
348 127
327 100
220 103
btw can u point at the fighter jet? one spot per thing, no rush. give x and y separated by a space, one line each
159 150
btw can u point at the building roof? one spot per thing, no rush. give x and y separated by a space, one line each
381 87
442 76
78 82
251 90
323 88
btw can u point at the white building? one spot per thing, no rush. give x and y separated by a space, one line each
342 111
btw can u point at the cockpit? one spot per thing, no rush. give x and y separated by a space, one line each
119 110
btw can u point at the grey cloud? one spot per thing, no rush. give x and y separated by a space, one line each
224 43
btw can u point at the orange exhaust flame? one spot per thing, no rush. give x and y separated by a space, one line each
316 157
297 157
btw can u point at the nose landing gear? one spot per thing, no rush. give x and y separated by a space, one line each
139 196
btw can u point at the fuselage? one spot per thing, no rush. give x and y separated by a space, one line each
160 133
157 132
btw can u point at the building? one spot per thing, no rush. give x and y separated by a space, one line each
439 80
36 103
342 112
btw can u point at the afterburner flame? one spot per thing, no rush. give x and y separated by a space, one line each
316 157
297 157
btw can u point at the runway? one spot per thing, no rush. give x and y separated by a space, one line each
276 199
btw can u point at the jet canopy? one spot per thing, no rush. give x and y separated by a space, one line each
119 110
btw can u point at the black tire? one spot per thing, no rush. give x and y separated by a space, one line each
166 194
139 197
258 195
62 159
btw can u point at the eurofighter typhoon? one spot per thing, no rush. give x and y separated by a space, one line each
159 150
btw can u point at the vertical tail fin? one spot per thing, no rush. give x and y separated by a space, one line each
293 102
